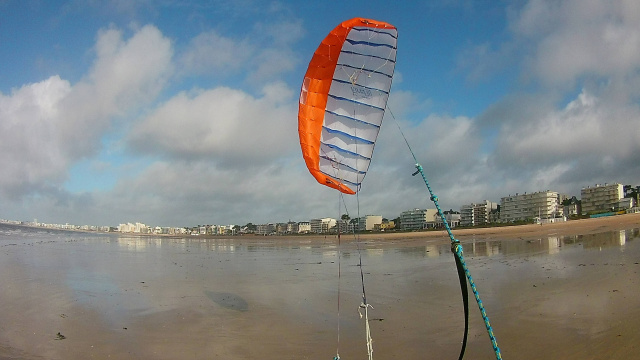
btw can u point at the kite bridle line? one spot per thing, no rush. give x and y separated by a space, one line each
337 357
336 172
456 249
363 305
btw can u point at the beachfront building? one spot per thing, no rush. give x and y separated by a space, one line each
633 193
477 214
385 225
466 215
137 228
323 225
343 226
225 229
281 228
418 219
572 207
304 227
452 217
124 228
292 227
368 223
353 225
494 215
601 198
265 229
538 205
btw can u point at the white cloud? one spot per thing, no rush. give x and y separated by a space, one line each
576 38
212 53
588 141
447 148
48 126
128 72
183 193
281 34
546 136
272 62
221 146
31 155
483 61
221 125
261 55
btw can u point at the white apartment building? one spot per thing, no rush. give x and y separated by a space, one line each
323 225
138 228
601 197
541 204
418 219
304 227
466 215
265 229
476 214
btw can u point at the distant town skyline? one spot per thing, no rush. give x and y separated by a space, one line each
487 203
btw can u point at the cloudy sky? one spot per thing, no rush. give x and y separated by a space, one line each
179 113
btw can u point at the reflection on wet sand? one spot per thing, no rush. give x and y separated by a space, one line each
543 245
549 244
474 247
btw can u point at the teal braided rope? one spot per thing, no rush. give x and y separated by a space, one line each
435 201
457 249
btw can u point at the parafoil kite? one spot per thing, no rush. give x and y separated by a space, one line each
342 101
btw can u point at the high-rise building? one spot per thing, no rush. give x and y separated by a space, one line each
323 225
541 204
600 198
418 219
477 214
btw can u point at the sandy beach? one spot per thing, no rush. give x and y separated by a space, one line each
562 291
521 232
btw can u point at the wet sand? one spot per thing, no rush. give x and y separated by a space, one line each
561 291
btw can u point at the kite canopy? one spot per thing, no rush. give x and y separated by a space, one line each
343 99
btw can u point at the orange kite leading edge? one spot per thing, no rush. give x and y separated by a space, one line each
343 99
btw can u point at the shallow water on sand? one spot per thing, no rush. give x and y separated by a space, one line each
124 297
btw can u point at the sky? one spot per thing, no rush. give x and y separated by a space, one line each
181 113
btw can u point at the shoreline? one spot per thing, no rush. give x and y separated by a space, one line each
522 232
514 232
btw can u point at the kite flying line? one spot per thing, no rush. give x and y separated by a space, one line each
456 249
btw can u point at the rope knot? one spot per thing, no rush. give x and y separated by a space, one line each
365 307
454 245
